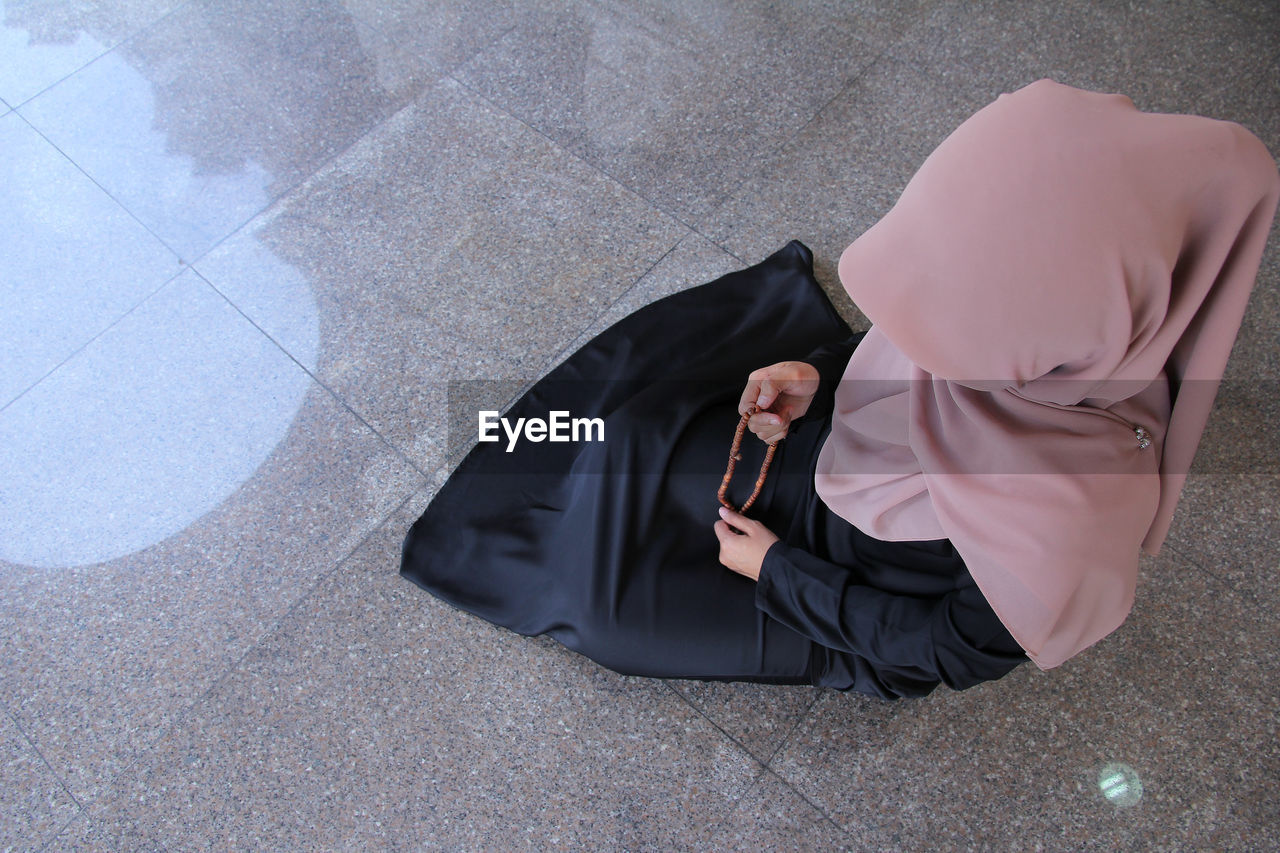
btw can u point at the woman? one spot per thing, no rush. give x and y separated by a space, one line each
1053 299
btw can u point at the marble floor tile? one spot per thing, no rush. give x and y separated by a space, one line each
1178 56
165 496
452 244
1226 523
42 41
34 804
444 32
691 262
678 103
1255 357
773 816
1188 56
879 23
843 172
757 716
1182 694
477 738
1261 113
1226 520
71 260
87 835
200 122
271 257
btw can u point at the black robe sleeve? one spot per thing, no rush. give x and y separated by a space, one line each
955 639
830 360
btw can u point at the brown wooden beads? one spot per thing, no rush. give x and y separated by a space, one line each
735 457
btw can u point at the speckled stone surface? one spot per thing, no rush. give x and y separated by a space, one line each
219 109
34 805
42 41
691 262
841 173
444 32
72 260
772 816
147 428
452 244
1182 693
86 834
759 717
679 103
476 737
1178 56
1227 518
99 659
389 214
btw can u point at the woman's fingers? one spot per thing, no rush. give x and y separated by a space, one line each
768 427
768 393
743 542
736 520
764 386
785 387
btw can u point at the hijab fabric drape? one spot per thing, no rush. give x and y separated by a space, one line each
1053 299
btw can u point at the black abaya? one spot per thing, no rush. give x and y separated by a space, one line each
608 545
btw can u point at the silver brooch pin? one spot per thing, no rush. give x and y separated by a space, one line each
1144 437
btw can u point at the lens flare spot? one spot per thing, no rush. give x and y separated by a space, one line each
1120 784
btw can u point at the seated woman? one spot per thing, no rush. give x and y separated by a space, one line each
964 486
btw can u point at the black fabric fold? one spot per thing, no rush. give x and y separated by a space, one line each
609 548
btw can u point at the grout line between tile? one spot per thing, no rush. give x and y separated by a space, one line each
667 683
769 768
502 110
128 38
95 337
80 807
582 338
277 203
94 181
82 170
443 70
271 203
272 630
763 768
454 453
767 155
84 815
547 365
795 725
1196 561
101 188
311 374
819 809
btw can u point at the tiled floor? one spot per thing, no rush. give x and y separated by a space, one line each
246 245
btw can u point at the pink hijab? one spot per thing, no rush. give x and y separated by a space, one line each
1054 297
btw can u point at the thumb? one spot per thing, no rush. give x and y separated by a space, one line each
768 393
735 520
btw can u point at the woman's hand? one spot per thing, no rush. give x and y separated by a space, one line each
783 392
743 543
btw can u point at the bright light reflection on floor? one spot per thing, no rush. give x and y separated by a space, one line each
165 414
1120 785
